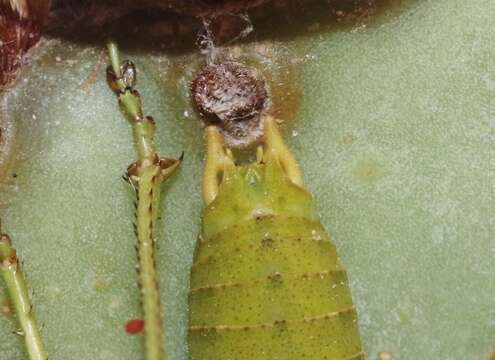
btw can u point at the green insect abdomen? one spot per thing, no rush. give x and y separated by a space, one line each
266 282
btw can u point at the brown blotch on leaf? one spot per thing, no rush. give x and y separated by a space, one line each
6 308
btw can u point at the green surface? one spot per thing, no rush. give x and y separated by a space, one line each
395 133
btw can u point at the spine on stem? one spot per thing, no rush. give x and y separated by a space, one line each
11 271
146 176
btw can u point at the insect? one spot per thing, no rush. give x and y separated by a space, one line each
265 281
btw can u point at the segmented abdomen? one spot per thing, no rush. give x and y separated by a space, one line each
271 288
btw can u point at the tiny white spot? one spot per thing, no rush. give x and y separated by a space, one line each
315 236
385 355
114 305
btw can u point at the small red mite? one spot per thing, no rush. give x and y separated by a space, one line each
135 326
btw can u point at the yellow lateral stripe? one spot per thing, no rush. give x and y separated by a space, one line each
338 270
246 221
206 259
258 218
273 324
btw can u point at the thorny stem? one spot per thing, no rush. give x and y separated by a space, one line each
146 176
11 271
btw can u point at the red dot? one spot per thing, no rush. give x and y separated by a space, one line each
135 326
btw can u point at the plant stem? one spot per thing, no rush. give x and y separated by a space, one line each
11 271
146 175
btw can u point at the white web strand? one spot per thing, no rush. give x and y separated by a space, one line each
206 37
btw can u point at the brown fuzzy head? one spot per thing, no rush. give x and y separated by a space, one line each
233 97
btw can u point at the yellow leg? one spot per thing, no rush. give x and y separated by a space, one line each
276 148
218 159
